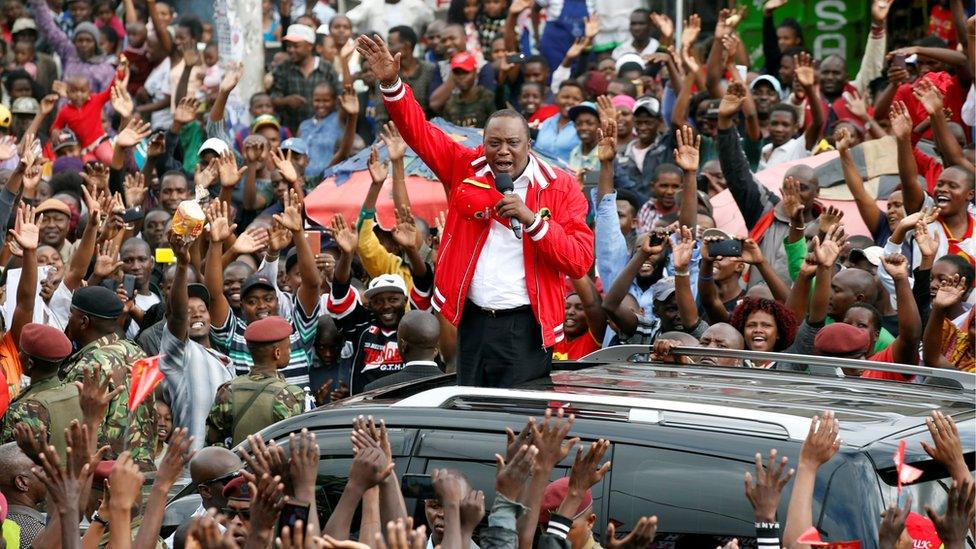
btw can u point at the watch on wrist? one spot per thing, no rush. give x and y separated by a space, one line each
98 518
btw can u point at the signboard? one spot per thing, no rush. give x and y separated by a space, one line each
829 27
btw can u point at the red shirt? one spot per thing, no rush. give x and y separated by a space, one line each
575 348
887 356
544 112
86 121
929 168
940 24
952 92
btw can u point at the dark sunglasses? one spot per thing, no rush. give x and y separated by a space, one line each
245 514
223 478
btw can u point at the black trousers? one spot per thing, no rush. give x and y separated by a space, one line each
500 349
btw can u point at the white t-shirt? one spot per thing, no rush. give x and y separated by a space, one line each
158 86
794 149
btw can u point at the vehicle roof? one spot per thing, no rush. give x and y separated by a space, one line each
737 399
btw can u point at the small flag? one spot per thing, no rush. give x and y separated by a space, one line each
145 377
812 538
906 473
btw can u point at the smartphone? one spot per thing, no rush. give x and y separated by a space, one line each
725 248
417 486
743 70
129 284
314 239
899 61
657 238
165 255
516 59
291 513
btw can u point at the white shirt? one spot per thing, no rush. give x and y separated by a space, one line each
144 302
628 47
499 277
157 86
794 149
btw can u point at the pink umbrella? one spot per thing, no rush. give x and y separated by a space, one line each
427 199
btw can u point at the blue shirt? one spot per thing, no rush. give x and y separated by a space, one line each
321 137
555 142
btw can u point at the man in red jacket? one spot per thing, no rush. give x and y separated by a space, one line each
505 295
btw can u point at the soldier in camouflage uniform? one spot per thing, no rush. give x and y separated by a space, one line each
47 402
93 325
247 404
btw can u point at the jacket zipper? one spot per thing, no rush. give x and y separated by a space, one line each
457 305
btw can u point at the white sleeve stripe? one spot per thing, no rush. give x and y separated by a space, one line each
542 232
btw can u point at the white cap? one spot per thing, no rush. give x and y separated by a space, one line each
386 283
323 29
299 33
872 253
213 144
629 58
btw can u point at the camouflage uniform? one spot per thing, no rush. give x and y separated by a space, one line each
288 400
113 356
29 407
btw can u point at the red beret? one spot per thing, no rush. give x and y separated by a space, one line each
268 330
553 497
44 342
237 489
839 339
102 471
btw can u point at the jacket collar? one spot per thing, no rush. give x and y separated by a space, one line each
539 171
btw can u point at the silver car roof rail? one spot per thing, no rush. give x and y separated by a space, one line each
626 353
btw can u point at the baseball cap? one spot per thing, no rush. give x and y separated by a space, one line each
554 495
649 104
386 283
265 120
200 292
22 24
623 101
872 254
629 58
769 79
711 111
66 138
213 144
25 105
464 61
256 281
662 289
299 33
585 106
921 529
295 145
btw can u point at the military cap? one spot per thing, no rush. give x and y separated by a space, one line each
840 339
102 471
237 489
44 342
268 330
97 301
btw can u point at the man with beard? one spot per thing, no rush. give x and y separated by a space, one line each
372 329
193 370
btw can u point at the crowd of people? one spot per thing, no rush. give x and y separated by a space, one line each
165 291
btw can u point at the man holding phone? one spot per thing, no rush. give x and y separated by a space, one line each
138 262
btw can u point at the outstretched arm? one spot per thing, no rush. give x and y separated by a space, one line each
905 346
866 205
901 126
596 317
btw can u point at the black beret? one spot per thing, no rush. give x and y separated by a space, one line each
97 301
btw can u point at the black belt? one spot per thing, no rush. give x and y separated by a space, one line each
495 313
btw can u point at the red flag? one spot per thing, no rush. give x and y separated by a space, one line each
812 538
145 377
906 473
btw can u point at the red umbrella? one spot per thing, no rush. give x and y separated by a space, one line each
427 199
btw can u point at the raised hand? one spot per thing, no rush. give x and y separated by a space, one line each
264 458
511 477
897 266
843 140
641 536
369 468
751 253
178 455
591 27
879 11
227 169
107 260
49 102
252 240
218 216
792 203
377 168
26 231
8 148
828 250
278 238
384 65
304 463
663 24
928 243
94 396
205 176
830 218
125 482
96 175
30 443
291 217
901 120
607 146
349 102
764 495
772 5
690 31
255 149
735 17
548 437
472 510
892 524
156 146
64 488
181 247
731 102
518 6
960 511
805 73
405 233
232 76
951 291
929 96
186 110
682 251
587 471
686 153
947 448
133 132
345 236
822 442
121 100
857 104
282 162
135 189
396 147
267 499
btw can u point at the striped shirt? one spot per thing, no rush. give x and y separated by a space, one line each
229 339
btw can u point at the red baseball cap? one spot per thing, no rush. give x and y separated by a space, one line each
553 497
922 531
464 61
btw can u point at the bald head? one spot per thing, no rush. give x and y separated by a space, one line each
850 286
17 483
721 336
687 340
213 462
418 336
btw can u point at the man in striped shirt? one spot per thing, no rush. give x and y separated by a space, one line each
259 298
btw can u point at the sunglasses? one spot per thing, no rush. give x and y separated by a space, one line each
245 514
223 478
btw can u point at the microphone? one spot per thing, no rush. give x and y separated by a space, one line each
504 185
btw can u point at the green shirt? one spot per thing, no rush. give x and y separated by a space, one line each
473 113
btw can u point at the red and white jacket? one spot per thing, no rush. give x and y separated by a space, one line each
559 243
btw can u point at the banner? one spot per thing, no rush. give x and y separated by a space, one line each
145 377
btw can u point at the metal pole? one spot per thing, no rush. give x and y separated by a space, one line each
679 18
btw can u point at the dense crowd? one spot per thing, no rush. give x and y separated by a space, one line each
167 290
